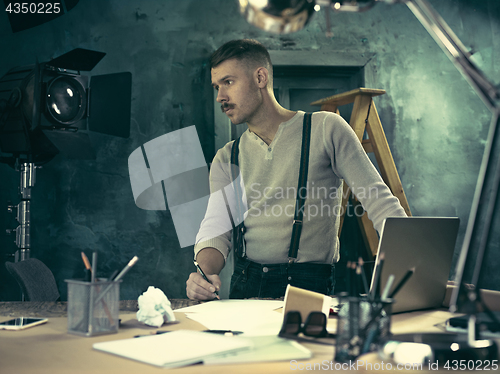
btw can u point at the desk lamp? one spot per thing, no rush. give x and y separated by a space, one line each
49 107
283 17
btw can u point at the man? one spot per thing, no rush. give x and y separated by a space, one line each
269 157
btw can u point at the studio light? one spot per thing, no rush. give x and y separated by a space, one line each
50 108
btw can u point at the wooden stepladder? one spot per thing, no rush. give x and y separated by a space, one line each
364 117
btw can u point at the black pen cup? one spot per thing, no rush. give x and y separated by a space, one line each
363 326
93 308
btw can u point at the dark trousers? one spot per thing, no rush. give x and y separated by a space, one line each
251 279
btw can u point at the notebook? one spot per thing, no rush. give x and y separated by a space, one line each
426 244
175 348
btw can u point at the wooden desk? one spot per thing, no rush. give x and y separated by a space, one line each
50 349
59 308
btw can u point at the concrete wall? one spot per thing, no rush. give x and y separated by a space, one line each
435 124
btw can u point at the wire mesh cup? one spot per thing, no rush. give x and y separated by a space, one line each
363 326
93 308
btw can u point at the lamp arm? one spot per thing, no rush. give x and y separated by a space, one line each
456 51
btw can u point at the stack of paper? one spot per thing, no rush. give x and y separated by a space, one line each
260 323
257 319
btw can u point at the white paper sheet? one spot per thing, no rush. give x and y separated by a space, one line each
252 317
217 305
174 349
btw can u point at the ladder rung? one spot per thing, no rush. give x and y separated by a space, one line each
349 96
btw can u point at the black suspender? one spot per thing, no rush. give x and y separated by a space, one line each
301 189
239 230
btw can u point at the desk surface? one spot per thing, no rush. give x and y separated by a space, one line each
49 348
59 308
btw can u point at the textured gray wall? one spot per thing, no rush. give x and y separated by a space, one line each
435 124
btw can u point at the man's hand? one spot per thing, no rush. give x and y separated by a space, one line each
198 288
212 262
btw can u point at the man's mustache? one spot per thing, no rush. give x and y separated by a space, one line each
226 106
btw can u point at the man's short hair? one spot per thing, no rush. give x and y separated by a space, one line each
249 51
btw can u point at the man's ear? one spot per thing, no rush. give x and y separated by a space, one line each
261 77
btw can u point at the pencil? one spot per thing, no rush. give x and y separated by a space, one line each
402 282
349 278
118 277
375 291
88 268
126 268
94 267
86 262
204 276
354 279
387 287
358 274
363 276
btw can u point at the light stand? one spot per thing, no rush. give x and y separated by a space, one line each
283 16
27 173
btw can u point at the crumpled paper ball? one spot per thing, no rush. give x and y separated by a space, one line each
154 308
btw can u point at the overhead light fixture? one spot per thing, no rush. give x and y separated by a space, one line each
277 16
288 16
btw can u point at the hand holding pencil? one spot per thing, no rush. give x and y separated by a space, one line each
201 286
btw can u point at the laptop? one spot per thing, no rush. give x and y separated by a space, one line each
425 244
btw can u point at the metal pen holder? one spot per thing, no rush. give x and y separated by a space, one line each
363 326
93 308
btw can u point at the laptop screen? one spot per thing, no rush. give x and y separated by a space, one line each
424 244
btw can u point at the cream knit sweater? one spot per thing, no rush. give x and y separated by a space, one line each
270 175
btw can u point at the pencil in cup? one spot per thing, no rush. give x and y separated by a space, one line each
118 277
91 270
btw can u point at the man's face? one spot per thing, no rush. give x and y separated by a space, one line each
236 90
